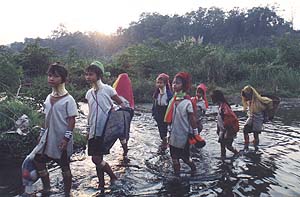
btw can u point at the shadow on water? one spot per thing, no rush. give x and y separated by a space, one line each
273 170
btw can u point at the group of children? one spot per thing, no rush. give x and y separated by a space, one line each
110 113
181 116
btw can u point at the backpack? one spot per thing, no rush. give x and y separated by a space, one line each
231 121
269 113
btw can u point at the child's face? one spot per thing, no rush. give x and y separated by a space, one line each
54 79
160 83
199 93
91 77
177 84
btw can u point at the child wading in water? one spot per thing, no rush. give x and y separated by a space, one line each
56 141
180 116
256 105
200 104
124 89
100 104
227 123
162 96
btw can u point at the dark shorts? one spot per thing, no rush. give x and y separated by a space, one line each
249 129
179 153
95 147
64 161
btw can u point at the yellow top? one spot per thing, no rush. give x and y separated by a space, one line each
257 103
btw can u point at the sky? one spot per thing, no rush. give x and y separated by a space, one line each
37 18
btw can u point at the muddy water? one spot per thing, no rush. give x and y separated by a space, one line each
273 170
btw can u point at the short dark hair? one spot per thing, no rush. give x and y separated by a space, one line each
58 69
95 69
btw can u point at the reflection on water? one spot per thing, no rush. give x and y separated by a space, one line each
274 170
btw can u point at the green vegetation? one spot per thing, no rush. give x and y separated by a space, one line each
11 110
225 50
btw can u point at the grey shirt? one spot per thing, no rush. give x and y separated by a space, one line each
255 120
180 127
57 125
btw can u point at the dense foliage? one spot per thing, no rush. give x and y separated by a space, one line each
223 49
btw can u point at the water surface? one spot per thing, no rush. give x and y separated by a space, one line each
273 170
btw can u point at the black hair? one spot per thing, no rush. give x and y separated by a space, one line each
95 69
58 69
217 96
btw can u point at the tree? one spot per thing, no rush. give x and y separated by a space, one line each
35 59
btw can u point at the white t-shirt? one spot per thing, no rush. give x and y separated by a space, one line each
100 103
57 125
180 127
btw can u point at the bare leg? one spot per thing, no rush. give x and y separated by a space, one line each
125 147
230 147
191 164
44 175
106 168
246 138
100 174
98 161
223 151
256 140
176 166
67 178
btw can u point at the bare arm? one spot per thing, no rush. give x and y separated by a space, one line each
192 120
118 100
71 123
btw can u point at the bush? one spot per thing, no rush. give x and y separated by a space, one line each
9 77
38 90
11 110
143 90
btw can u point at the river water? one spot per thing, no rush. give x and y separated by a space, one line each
273 170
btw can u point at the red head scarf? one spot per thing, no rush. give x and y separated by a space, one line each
204 89
186 80
123 87
165 78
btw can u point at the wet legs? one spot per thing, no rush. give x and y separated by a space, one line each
176 165
101 167
124 146
229 147
44 175
67 178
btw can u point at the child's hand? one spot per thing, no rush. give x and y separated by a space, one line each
63 144
122 105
